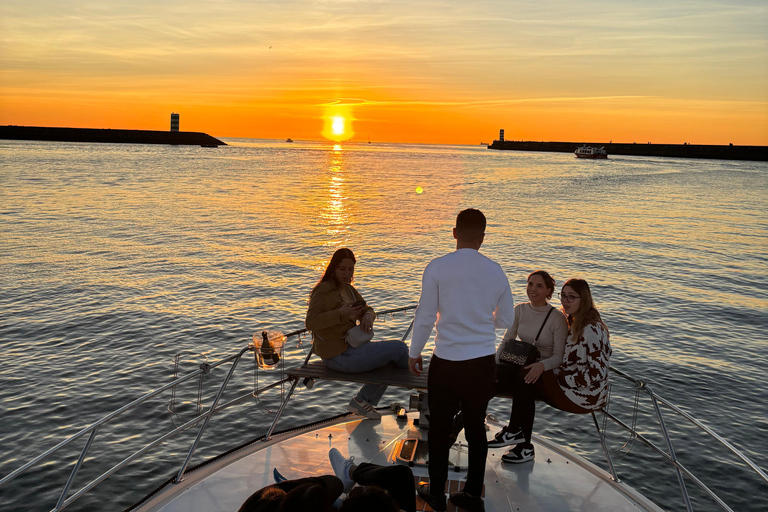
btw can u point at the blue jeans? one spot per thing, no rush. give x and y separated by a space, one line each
365 358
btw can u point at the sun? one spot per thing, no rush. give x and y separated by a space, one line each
337 125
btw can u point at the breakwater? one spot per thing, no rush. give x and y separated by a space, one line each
108 136
729 152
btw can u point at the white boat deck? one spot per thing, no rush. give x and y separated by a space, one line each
556 481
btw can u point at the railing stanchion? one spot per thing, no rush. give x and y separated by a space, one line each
76 469
680 480
180 475
605 449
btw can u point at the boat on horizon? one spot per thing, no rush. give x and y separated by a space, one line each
557 480
591 152
289 139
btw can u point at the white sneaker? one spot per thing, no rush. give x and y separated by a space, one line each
341 467
506 437
519 454
363 409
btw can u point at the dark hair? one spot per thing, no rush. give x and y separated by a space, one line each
587 312
339 255
549 281
369 498
470 224
309 497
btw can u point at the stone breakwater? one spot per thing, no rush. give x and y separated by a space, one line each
108 136
729 152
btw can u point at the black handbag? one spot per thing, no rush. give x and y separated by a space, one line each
520 353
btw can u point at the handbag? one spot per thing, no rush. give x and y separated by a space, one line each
357 338
519 353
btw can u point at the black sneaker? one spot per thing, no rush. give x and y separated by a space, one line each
437 503
519 454
468 502
506 437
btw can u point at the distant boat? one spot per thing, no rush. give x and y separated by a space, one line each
590 152
289 139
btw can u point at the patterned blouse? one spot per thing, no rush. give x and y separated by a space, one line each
583 375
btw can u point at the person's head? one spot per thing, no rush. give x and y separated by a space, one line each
341 269
369 498
540 287
309 497
578 306
470 228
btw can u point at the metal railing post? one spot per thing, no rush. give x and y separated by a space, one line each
672 455
605 449
180 475
76 469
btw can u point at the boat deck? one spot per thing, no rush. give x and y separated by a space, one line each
556 481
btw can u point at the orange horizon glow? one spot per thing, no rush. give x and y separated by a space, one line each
559 72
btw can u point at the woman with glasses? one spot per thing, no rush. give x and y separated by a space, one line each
579 385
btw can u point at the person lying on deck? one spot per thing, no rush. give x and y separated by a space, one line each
380 489
335 308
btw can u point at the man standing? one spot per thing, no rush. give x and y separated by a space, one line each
465 296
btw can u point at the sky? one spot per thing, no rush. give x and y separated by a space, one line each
451 72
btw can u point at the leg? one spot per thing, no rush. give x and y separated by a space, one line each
478 389
443 406
523 407
548 389
369 357
397 480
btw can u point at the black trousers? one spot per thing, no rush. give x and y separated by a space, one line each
546 389
397 480
454 386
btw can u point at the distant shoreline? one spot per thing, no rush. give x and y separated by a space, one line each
106 135
730 152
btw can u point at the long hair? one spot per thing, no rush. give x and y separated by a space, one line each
587 312
339 255
549 281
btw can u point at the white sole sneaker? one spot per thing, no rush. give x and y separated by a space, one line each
363 409
519 454
340 467
506 438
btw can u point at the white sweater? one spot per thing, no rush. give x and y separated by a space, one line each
465 296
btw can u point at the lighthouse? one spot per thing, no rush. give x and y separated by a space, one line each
174 122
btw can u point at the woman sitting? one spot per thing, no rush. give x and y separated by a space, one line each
579 385
334 308
538 323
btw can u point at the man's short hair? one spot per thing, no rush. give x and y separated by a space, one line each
470 223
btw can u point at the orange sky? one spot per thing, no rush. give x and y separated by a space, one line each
436 72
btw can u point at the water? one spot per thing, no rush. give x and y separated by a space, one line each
115 258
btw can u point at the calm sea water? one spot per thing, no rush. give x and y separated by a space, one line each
115 258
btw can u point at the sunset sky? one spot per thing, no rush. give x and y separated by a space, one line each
396 71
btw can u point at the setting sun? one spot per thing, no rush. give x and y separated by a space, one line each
337 125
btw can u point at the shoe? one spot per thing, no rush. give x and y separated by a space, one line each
468 502
519 454
340 467
506 437
363 409
437 503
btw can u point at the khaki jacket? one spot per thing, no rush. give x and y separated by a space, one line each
323 319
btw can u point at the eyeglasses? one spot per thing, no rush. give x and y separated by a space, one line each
568 298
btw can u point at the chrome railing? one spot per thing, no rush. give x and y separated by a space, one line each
669 455
92 430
